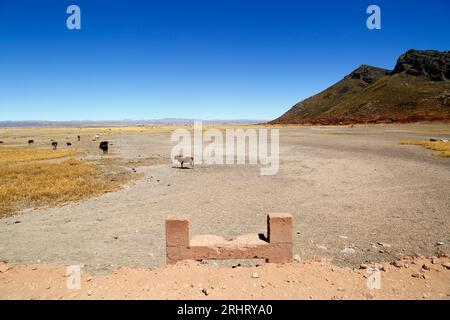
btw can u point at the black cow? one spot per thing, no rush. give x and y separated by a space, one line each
1 141
104 146
54 145
30 141
68 144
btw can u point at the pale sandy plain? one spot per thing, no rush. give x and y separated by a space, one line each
345 187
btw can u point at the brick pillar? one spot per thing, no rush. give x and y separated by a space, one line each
177 238
279 235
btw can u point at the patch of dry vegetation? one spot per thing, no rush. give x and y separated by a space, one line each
345 133
443 148
26 183
30 133
12 155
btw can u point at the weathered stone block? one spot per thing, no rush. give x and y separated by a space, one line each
279 228
277 249
177 232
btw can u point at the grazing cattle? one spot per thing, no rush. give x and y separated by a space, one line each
68 144
30 141
1 142
183 160
104 146
54 145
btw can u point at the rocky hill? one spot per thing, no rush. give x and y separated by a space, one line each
418 89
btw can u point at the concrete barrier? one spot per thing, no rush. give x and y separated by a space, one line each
277 247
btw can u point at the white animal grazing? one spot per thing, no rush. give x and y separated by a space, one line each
183 160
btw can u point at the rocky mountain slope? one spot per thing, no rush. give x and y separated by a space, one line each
418 89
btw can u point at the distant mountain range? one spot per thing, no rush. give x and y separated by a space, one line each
418 89
118 123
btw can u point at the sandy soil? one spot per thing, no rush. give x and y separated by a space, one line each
410 278
346 188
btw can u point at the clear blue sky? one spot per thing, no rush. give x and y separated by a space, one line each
211 59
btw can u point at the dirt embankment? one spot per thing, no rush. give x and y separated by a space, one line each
409 278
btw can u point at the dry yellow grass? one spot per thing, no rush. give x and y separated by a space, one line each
30 133
347 133
443 148
28 179
12 155
103 131
38 184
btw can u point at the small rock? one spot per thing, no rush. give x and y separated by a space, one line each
343 237
47 287
417 275
89 293
321 247
383 244
399 264
425 267
4 267
296 258
89 279
116 237
255 275
439 243
17 221
446 265
363 266
348 249
369 295
205 291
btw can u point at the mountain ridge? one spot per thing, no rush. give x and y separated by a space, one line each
417 89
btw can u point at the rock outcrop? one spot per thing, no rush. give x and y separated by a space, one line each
416 90
429 64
